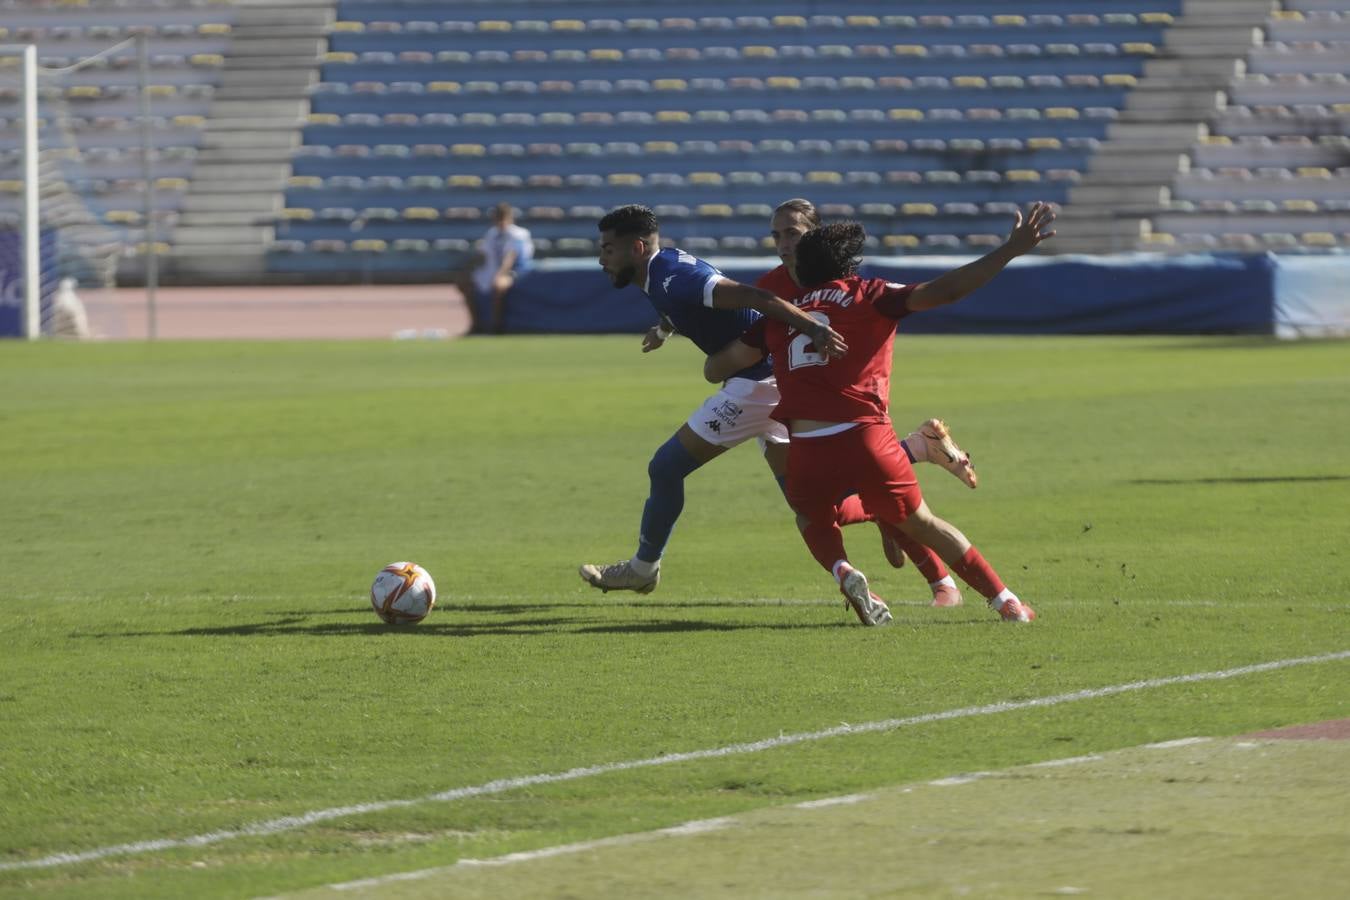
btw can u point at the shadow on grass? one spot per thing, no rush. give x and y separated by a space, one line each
543 625
1242 479
524 627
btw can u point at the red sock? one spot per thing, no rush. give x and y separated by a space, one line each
974 571
851 511
924 559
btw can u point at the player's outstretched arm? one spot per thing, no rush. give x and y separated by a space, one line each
729 360
728 294
1026 234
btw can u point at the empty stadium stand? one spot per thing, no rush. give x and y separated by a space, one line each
314 137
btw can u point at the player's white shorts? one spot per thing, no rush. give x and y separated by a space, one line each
739 411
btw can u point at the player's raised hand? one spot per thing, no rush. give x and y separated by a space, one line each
1030 231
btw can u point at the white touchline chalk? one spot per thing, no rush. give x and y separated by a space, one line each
502 785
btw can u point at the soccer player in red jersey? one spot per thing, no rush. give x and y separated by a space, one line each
836 409
930 442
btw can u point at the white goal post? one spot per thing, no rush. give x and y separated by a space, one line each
30 262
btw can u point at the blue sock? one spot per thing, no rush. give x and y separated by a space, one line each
670 465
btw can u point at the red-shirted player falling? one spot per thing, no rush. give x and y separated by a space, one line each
836 410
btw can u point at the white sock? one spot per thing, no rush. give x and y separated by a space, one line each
1003 597
917 445
834 570
644 568
945 579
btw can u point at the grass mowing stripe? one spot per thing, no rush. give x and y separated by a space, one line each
291 823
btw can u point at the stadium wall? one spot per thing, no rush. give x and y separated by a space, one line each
1128 294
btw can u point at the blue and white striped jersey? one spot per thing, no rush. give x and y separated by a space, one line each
680 286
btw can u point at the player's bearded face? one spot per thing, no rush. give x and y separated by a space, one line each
618 259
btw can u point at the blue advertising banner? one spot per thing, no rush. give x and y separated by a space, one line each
1126 294
11 279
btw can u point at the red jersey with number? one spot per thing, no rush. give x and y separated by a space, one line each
779 283
855 387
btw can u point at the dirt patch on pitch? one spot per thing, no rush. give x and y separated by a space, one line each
1334 730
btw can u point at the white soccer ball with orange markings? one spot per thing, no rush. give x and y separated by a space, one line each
403 593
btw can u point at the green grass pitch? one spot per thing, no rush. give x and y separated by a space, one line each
188 532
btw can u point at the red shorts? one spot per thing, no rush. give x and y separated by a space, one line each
866 459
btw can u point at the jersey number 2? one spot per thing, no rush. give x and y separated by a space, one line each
798 354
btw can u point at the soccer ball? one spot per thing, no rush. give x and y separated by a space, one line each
403 593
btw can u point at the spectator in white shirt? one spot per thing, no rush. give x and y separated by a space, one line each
506 251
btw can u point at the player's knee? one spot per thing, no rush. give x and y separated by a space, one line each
671 462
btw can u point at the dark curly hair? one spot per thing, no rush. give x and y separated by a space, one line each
630 221
830 252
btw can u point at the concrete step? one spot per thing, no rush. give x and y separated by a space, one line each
1204 69
242 155
1157 135
231 171
233 217
1099 226
1205 8
228 124
1175 98
280 139
1183 34
1115 158
1236 51
1117 195
1164 116
271 77
253 7
221 235
316 29
209 183
259 109
257 202
1133 175
264 92
274 61
278 46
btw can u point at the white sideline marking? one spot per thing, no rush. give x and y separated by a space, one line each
1066 761
832 801
706 825
954 780
501 785
1179 742
701 826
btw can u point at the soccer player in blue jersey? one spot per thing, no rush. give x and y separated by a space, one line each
711 310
